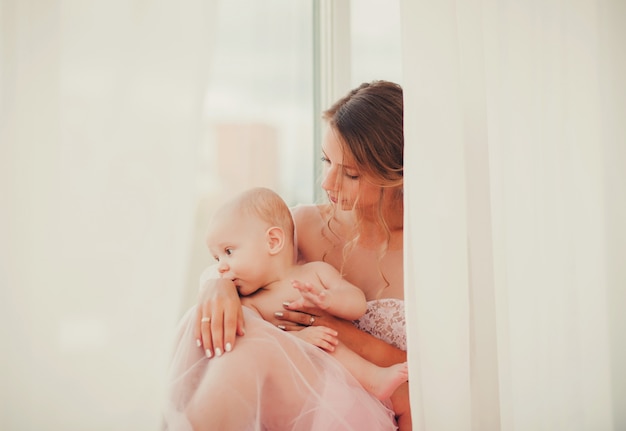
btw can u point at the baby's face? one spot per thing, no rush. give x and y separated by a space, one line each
239 246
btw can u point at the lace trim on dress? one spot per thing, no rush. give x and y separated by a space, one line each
385 320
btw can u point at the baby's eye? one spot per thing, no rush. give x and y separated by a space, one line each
228 251
217 259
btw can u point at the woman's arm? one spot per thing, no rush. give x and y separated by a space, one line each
382 354
219 316
366 345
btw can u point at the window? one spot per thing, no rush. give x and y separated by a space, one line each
355 42
375 41
258 110
276 65
258 105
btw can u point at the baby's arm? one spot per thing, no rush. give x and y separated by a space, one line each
334 294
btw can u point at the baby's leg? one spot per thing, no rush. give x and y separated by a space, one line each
270 380
378 381
258 385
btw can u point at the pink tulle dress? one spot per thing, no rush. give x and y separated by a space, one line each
272 380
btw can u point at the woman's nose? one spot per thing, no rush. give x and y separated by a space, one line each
329 182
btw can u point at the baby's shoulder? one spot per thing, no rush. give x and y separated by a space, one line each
319 268
310 237
315 266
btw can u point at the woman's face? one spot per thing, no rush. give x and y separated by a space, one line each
342 179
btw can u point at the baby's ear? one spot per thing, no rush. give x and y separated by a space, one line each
275 239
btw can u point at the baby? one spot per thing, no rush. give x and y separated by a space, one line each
252 239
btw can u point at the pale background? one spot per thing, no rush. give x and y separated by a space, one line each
122 123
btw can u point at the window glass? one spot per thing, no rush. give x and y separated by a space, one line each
258 106
258 109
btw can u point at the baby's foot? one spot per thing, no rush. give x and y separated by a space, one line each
386 380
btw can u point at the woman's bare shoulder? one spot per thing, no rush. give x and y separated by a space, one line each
310 221
308 215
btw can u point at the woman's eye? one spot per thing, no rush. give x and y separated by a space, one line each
325 159
352 177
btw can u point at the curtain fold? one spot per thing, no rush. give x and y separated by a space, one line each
514 213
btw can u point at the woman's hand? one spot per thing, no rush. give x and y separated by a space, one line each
295 317
219 317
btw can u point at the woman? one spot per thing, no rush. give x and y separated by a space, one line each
359 232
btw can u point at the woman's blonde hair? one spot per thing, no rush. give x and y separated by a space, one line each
369 124
369 120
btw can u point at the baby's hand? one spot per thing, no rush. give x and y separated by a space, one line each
311 296
320 336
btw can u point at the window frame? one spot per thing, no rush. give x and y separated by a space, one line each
332 68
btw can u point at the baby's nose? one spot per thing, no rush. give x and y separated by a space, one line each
222 267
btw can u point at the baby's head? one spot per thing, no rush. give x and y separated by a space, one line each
251 237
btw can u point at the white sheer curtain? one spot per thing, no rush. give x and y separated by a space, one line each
515 192
101 105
